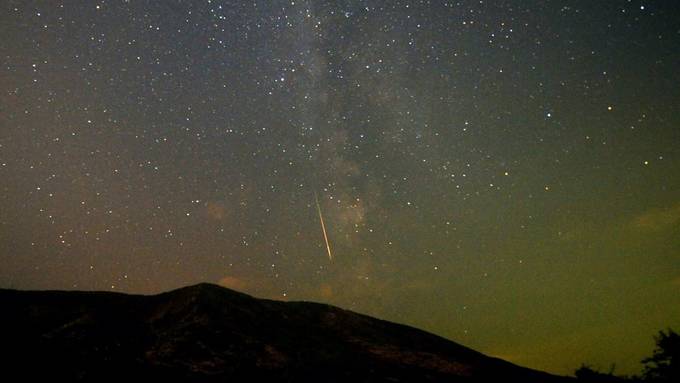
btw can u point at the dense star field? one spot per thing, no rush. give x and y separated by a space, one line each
505 174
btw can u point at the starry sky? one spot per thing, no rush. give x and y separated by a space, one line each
505 174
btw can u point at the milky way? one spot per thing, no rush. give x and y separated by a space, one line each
501 173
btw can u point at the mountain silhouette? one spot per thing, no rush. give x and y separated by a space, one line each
207 333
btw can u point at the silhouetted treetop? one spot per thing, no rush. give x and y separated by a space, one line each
664 365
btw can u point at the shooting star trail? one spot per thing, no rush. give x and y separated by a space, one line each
323 227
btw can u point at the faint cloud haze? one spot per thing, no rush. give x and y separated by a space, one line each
659 218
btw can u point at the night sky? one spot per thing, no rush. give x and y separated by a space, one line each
505 174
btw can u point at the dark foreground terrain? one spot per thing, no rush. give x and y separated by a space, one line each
206 333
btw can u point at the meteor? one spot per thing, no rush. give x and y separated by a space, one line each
323 227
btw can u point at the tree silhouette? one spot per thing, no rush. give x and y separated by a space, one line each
664 365
589 375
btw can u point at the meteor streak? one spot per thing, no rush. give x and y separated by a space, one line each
323 227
